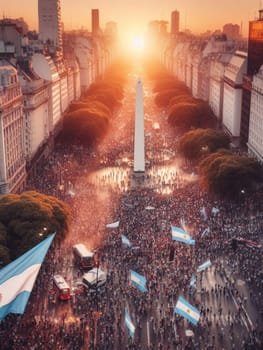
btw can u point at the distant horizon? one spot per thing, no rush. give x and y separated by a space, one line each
132 17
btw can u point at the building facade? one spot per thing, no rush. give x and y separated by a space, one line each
12 126
233 79
255 138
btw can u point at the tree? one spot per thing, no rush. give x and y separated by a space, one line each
184 115
226 174
27 219
85 126
162 99
169 83
188 115
92 102
109 87
198 143
182 98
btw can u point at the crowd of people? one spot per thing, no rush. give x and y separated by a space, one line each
145 208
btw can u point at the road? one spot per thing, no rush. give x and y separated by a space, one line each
100 188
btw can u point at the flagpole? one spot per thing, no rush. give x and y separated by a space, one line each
96 313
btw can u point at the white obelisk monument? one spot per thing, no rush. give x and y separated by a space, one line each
139 153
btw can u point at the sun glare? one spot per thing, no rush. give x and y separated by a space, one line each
138 42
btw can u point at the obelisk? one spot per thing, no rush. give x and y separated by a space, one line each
139 153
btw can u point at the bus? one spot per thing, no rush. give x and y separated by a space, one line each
84 258
62 288
94 279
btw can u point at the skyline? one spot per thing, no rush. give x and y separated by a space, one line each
197 16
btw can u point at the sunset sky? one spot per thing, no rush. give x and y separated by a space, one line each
133 15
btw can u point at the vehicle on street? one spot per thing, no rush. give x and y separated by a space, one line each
83 257
62 288
94 279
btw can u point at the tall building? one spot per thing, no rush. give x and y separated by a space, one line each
254 62
175 22
255 45
95 21
50 27
232 31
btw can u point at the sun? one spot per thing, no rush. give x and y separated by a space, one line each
138 42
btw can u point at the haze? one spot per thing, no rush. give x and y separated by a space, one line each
133 16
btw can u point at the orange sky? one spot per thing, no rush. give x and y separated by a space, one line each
133 15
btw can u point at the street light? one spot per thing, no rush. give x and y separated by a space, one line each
44 230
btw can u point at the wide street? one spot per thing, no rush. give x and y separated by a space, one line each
100 188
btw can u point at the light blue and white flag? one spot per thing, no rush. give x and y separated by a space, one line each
71 193
182 222
149 207
129 324
125 241
183 308
113 224
193 281
204 266
203 212
205 232
138 280
17 279
178 234
215 211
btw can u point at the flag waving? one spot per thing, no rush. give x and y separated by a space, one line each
193 282
17 279
113 224
139 281
125 241
204 266
129 324
187 310
178 234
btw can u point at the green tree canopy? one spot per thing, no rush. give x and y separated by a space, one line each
111 88
92 103
162 99
188 115
198 143
84 126
227 174
170 84
28 218
181 99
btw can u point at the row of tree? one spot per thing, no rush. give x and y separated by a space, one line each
221 171
183 110
27 219
88 119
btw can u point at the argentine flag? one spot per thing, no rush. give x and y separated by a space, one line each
138 280
203 212
193 281
113 224
125 241
129 324
17 279
204 266
205 232
188 311
178 234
